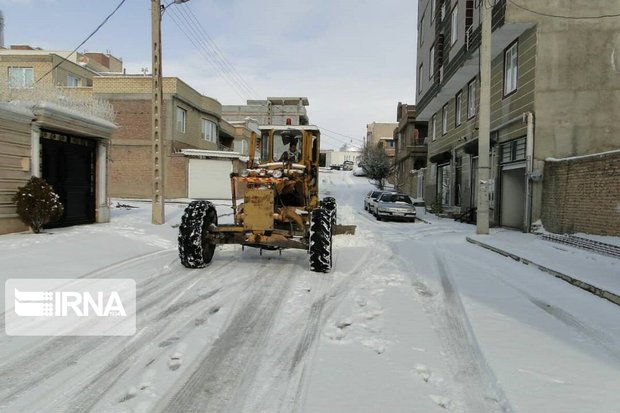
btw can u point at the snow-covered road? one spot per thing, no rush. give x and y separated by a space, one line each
412 319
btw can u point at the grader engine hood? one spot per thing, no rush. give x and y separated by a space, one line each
258 209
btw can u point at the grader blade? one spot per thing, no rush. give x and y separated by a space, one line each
344 229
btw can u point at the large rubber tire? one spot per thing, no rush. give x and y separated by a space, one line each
329 203
321 240
195 251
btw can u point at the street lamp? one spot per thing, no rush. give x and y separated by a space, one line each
158 144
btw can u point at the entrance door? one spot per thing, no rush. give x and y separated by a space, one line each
68 164
512 213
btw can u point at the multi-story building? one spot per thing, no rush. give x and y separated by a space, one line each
272 111
553 80
194 132
410 151
199 144
381 134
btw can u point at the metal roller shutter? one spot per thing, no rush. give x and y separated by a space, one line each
209 178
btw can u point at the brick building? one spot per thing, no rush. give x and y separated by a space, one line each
410 151
190 120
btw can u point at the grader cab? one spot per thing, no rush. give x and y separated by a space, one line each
275 201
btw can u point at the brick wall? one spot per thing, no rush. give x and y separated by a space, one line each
133 118
582 195
131 173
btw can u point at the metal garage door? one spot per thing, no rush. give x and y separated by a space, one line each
209 178
68 164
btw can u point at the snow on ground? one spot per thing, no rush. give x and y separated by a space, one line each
411 319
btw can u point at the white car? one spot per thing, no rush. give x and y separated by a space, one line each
359 171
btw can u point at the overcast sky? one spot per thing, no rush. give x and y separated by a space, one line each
353 59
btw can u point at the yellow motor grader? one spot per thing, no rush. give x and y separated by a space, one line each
275 202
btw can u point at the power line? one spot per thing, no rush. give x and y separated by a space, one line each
234 86
64 59
218 52
221 67
602 16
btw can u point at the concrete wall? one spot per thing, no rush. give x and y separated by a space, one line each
583 195
577 81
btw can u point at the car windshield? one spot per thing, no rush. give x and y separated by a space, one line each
396 198
375 194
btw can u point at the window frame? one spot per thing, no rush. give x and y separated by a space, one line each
458 109
181 119
420 77
513 75
431 64
433 9
213 127
434 126
23 83
421 30
454 31
471 109
444 119
73 78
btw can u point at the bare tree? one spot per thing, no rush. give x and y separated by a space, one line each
376 164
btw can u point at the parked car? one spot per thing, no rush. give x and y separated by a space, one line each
359 171
394 206
347 166
371 199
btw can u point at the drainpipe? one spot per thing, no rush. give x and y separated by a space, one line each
529 169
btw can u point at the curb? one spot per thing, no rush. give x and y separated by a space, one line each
614 298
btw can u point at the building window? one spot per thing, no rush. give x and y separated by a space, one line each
181 115
421 30
444 119
454 33
433 8
513 151
434 126
458 104
420 74
431 62
21 77
390 143
73 81
510 69
471 99
443 184
209 131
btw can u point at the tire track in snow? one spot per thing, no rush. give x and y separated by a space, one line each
479 389
60 353
606 342
220 379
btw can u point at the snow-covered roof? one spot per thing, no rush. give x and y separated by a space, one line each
214 154
574 158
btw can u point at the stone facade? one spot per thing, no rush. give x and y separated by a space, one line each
583 194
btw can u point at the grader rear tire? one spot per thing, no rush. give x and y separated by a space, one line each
195 250
321 240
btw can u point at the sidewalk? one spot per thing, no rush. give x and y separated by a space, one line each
595 273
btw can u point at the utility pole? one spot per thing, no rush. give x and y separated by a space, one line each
158 150
484 119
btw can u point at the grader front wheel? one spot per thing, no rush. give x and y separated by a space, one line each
195 250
